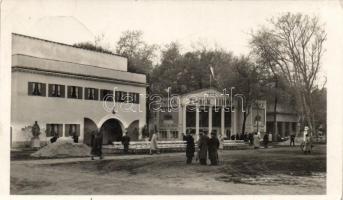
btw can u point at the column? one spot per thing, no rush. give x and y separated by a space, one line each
209 121
222 119
158 121
297 129
184 109
233 122
283 129
197 122
290 128
180 120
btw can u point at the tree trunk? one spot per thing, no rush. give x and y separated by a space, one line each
275 109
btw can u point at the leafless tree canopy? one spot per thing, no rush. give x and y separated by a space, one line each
292 47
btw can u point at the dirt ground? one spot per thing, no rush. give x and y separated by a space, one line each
282 170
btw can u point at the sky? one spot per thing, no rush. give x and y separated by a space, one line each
223 24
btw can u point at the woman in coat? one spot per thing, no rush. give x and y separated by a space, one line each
203 147
153 144
213 145
256 141
190 147
307 144
96 143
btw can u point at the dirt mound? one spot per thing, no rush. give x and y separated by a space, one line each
63 149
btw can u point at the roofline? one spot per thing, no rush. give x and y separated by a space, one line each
59 43
49 59
199 90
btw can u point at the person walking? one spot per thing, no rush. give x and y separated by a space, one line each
203 147
265 140
307 144
125 140
256 141
96 143
190 147
292 140
213 145
153 144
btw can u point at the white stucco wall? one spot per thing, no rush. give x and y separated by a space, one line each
56 51
26 109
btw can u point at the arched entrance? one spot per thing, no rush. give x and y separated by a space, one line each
133 130
111 131
89 128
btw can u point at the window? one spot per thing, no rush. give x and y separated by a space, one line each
74 92
174 134
133 98
56 90
54 129
91 94
36 89
163 134
121 96
106 95
72 129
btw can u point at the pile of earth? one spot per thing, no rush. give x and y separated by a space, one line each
61 149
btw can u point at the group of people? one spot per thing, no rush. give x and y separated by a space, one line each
206 146
97 140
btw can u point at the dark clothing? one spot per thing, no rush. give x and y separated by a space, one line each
292 140
96 143
53 139
76 138
213 145
190 148
125 140
203 146
265 140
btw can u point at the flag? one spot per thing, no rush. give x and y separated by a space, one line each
212 71
167 89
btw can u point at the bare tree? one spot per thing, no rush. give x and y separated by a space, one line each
292 46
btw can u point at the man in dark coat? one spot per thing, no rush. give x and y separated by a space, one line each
125 140
292 140
96 143
203 147
190 147
265 140
213 145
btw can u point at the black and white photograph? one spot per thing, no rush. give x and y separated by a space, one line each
238 98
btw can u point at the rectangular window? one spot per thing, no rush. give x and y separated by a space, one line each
175 134
133 98
54 129
91 94
163 134
72 129
56 90
36 89
106 95
74 92
121 96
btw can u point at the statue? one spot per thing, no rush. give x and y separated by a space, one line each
35 142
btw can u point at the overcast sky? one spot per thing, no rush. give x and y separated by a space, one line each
225 24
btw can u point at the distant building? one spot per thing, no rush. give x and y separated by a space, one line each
69 91
287 120
205 110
